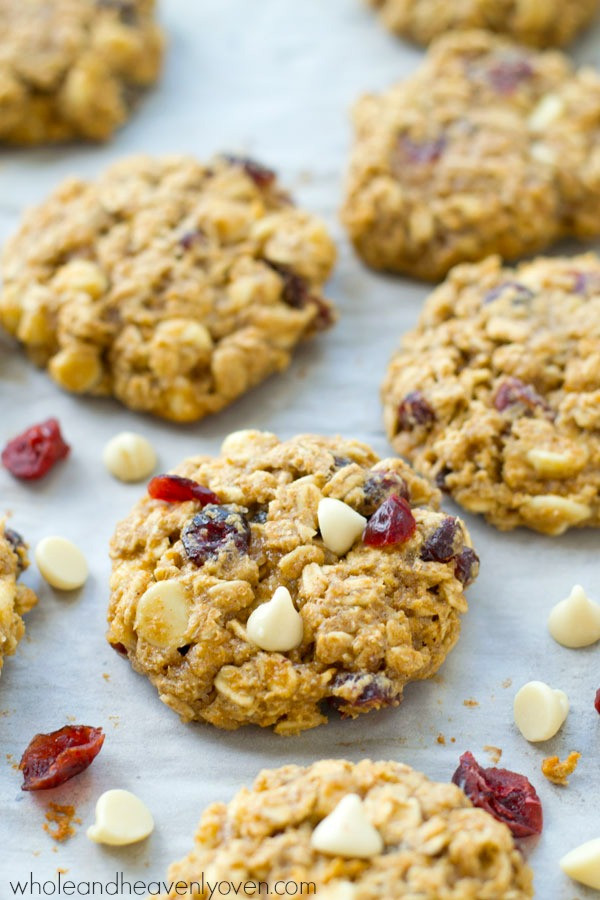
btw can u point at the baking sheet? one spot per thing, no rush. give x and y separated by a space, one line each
273 78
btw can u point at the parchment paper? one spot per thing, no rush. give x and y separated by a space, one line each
274 78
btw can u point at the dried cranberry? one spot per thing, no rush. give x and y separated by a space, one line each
466 567
118 647
51 759
379 486
441 478
215 530
597 702
175 489
365 692
296 293
508 797
191 238
513 391
419 152
18 546
414 410
260 175
586 282
439 546
520 293
507 74
32 454
392 523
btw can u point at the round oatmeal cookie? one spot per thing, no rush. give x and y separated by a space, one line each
172 285
489 147
380 612
496 395
15 598
541 23
435 843
73 68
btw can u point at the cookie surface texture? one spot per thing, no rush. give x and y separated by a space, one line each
15 598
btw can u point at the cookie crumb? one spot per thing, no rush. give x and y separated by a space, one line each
62 817
494 753
558 772
106 676
507 683
441 739
470 703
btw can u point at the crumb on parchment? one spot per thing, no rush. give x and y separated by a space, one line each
558 772
62 817
494 753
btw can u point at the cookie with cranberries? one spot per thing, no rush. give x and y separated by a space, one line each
15 599
213 541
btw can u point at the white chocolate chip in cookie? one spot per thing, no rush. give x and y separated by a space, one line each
129 456
340 525
347 831
583 864
241 446
575 622
276 625
540 711
550 464
548 110
162 614
61 563
121 818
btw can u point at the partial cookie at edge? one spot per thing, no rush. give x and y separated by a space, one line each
15 598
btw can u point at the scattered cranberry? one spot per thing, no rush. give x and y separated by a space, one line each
507 74
597 702
414 410
508 797
175 489
51 759
32 454
520 293
439 546
419 152
379 486
215 530
513 391
260 175
392 523
466 567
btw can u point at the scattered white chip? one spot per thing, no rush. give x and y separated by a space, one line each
575 622
339 524
276 625
583 864
347 831
540 711
162 614
121 818
61 563
129 456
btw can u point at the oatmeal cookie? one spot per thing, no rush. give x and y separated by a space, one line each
496 395
15 599
373 618
487 148
435 843
541 23
73 68
172 285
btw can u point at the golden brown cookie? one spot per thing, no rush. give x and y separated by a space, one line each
381 611
488 148
15 598
435 844
541 23
172 285
496 395
73 68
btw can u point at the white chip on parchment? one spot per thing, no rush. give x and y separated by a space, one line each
61 563
129 456
121 818
575 622
540 711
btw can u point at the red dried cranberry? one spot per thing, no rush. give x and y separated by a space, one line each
260 175
215 530
32 454
597 702
192 238
520 293
507 796
414 410
421 153
18 547
507 74
51 759
466 567
176 489
379 486
119 648
440 546
513 391
441 479
392 523
365 692
296 293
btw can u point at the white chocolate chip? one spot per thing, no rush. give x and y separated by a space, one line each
340 525
347 831
540 711
121 818
543 153
276 625
575 622
61 563
162 614
583 864
547 111
129 456
550 464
